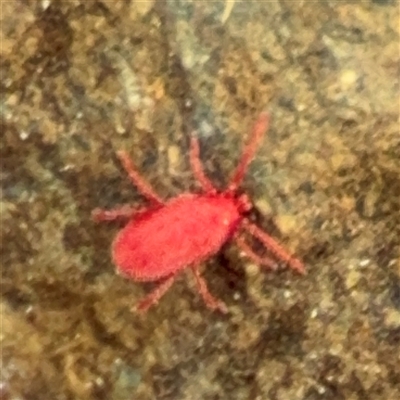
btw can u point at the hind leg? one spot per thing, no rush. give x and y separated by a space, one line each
122 212
145 189
153 297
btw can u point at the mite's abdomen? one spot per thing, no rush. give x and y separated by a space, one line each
186 230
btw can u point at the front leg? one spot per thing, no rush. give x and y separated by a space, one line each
197 167
273 246
265 260
208 298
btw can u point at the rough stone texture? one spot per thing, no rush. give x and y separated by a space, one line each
80 79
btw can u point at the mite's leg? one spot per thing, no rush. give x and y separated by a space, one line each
208 298
249 151
197 166
144 188
265 261
273 246
154 296
123 212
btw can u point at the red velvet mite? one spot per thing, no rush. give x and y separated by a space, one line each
160 241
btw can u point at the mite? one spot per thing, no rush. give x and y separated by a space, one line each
159 241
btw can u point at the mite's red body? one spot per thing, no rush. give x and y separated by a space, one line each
187 230
167 237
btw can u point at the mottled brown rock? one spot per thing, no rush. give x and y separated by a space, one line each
80 79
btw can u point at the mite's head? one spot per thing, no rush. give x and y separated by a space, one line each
244 205
242 201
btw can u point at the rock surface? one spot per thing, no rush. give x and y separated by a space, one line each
81 79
